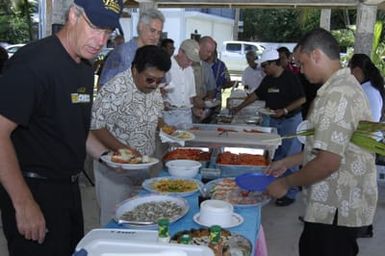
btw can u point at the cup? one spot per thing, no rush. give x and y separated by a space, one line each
216 212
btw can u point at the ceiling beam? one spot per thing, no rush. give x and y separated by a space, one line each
260 3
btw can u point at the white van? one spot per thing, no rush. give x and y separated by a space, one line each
233 53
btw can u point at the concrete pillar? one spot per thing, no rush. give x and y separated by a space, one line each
236 24
54 13
366 18
325 19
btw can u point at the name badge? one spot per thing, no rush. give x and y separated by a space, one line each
273 90
80 98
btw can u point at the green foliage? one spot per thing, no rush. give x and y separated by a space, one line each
345 38
275 25
16 21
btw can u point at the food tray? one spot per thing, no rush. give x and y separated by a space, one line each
233 244
131 203
229 191
204 149
149 186
118 242
228 170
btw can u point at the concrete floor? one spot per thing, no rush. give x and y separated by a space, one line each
281 225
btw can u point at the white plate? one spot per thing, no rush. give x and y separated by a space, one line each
235 221
179 135
131 203
266 111
148 185
107 160
304 125
248 200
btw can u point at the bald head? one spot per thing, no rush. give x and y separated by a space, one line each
206 48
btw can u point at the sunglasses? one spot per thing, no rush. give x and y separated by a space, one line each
157 81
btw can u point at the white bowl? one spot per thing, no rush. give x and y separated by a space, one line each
183 168
216 212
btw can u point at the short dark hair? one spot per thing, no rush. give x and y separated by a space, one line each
322 39
284 50
166 41
151 56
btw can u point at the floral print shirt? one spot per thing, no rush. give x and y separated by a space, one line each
351 190
127 113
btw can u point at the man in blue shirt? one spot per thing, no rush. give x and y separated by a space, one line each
149 28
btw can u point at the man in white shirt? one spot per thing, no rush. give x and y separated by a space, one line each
181 86
253 74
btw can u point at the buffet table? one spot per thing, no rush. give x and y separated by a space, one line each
249 228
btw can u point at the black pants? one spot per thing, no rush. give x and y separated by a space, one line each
62 209
328 240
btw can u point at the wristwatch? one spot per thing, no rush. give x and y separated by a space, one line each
103 154
285 111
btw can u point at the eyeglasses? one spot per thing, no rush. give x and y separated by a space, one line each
150 80
106 32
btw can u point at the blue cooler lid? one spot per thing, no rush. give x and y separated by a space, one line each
254 181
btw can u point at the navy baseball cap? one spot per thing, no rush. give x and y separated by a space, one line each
102 13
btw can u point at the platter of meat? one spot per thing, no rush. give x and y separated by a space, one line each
147 210
243 159
233 244
226 189
188 153
126 159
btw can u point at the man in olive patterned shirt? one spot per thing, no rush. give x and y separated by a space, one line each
339 177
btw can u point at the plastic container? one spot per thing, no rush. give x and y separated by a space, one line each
183 168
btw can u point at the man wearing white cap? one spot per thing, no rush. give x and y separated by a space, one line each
180 79
283 93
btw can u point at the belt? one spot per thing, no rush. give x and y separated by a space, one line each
69 179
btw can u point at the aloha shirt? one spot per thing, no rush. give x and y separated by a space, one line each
130 115
351 190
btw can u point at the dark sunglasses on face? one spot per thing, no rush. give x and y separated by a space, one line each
150 80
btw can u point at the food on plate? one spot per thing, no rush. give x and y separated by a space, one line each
168 129
242 159
183 135
152 211
226 189
200 236
128 156
220 129
187 153
174 185
233 244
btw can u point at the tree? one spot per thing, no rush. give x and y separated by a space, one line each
16 24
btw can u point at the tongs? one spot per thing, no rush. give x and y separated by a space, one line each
135 222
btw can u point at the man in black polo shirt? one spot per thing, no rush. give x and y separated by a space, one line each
283 93
45 104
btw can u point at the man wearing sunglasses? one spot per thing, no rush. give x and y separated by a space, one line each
126 114
283 93
45 107
180 79
149 28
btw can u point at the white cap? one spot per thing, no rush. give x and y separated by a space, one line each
269 55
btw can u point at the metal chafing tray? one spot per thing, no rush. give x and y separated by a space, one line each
216 136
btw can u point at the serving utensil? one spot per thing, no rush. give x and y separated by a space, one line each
135 222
